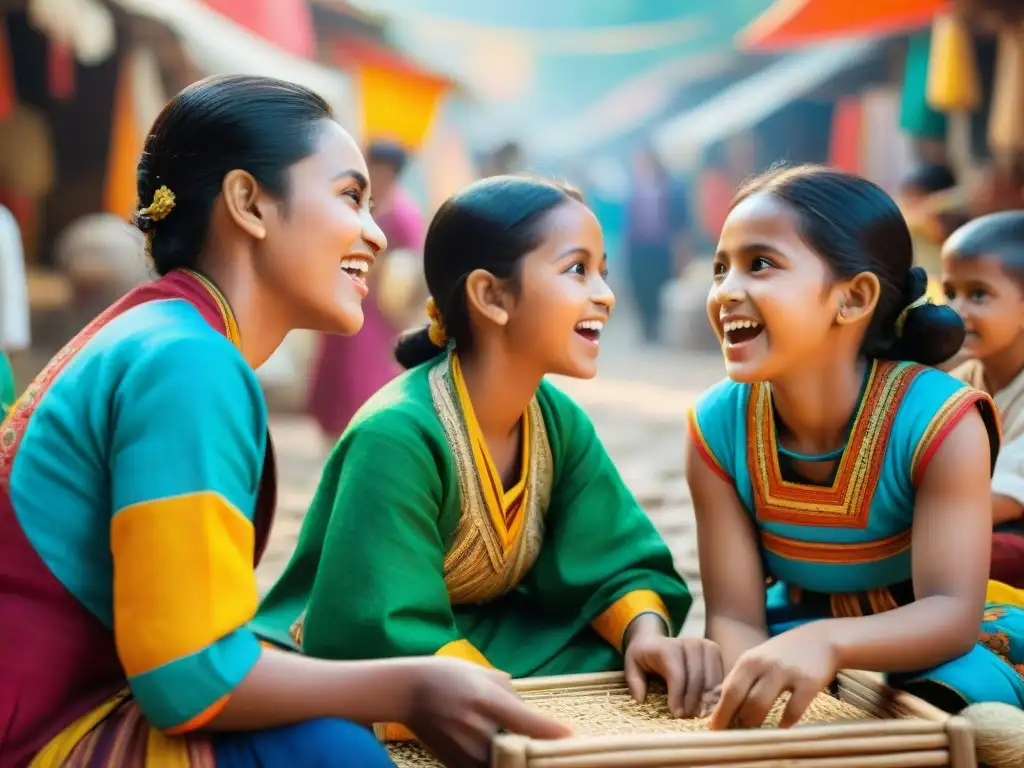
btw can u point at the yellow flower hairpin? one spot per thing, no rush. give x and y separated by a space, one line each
162 205
438 333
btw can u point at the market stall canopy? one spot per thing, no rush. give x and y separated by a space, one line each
790 23
748 102
219 45
534 67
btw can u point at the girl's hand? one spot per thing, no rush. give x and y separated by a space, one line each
456 708
690 666
802 661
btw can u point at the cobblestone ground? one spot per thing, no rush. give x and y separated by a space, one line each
638 404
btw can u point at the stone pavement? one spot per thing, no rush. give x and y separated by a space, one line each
638 403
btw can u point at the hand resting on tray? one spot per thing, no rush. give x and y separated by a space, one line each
690 666
800 661
456 709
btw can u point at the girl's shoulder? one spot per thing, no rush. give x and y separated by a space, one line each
405 406
717 424
721 409
933 404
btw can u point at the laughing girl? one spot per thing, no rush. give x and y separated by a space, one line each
470 509
839 468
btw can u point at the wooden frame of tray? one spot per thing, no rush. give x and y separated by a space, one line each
902 732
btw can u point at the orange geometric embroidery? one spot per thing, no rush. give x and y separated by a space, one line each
947 417
847 502
823 552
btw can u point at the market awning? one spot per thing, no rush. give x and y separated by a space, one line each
748 102
219 45
790 23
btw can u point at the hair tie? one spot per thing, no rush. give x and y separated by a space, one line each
902 319
162 205
438 333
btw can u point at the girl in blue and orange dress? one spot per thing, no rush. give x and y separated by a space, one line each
834 464
137 477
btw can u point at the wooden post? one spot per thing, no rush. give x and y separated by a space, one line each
509 751
961 743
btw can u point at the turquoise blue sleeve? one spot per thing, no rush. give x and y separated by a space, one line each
716 428
933 405
187 441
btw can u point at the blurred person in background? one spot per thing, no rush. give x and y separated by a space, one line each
983 276
928 197
14 308
657 238
349 369
104 258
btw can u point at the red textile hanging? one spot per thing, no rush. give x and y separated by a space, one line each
845 141
288 24
8 97
60 70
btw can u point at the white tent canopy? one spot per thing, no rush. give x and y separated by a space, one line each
746 103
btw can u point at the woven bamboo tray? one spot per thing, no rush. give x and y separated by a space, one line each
866 725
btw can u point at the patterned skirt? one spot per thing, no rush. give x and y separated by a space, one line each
117 735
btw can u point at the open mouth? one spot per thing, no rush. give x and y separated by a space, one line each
357 268
741 331
590 330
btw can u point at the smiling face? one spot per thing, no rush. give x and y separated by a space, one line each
773 303
989 300
321 240
563 300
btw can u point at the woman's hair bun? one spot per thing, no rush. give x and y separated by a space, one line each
414 347
145 223
931 333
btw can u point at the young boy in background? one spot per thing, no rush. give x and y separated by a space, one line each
983 279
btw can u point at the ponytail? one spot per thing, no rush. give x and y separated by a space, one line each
414 347
923 332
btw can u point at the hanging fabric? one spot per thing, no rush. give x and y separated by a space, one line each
954 84
8 97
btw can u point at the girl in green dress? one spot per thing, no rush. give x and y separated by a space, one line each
470 509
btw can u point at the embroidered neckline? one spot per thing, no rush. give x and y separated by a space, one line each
820 458
846 501
504 506
226 315
478 566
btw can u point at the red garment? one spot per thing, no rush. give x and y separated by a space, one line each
715 193
350 369
1008 559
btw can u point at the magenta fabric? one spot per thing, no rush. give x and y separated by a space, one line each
350 369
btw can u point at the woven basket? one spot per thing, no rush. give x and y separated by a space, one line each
866 726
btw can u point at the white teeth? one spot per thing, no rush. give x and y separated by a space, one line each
356 265
735 325
590 325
